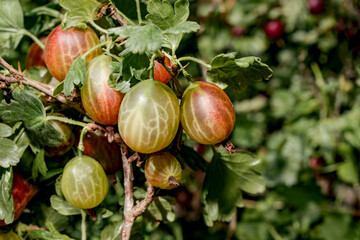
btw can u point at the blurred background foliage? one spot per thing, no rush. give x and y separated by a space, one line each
304 122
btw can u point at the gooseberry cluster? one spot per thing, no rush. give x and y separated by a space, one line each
148 117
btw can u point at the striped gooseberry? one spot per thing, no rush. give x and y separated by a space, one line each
84 182
149 116
100 101
35 57
207 114
163 170
63 47
160 73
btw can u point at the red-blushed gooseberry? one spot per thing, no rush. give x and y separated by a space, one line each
63 47
207 114
100 101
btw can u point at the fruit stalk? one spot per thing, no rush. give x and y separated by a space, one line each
83 225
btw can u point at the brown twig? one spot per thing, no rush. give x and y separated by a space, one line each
116 16
17 77
131 211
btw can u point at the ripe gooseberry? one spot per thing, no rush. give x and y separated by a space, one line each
163 170
97 146
22 192
160 73
274 29
100 101
149 116
35 57
316 6
207 114
84 182
63 47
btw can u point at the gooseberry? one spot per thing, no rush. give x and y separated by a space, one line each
207 114
84 182
274 29
35 57
160 73
63 47
163 170
97 146
100 101
22 192
149 116
67 142
316 6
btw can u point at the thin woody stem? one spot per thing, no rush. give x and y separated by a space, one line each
131 211
18 77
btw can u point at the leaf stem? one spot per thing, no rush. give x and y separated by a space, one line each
152 66
66 120
33 37
83 224
93 49
138 10
188 58
98 27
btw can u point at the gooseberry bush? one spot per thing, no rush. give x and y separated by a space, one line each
109 118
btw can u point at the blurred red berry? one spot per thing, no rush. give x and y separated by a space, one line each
316 6
274 29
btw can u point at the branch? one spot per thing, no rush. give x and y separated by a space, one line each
18 77
129 197
143 204
131 211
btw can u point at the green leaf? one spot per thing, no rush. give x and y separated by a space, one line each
46 235
165 16
184 27
5 130
11 23
161 209
25 107
9 153
75 76
348 170
134 66
172 41
39 165
63 206
141 39
112 231
46 134
58 88
28 108
237 73
6 199
22 143
193 159
78 12
226 177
